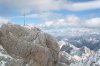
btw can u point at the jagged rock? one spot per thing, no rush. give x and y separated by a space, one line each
65 58
7 60
35 47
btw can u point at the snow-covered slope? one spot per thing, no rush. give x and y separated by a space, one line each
69 54
76 53
93 60
78 56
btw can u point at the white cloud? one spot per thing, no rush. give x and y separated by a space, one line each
55 23
47 5
3 20
68 24
94 22
83 6
27 5
70 20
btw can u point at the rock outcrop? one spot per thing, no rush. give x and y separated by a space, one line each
7 60
32 45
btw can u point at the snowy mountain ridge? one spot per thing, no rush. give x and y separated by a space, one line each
79 56
93 60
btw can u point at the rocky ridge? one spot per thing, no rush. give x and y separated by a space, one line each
32 45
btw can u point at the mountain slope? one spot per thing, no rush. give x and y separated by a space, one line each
32 45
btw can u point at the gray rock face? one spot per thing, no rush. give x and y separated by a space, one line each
33 46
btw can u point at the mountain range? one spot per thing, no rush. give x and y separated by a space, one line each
73 51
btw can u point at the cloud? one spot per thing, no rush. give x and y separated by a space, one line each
47 5
55 23
27 5
71 24
3 20
68 21
80 6
72 20
94 22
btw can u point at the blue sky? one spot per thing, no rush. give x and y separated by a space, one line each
51 13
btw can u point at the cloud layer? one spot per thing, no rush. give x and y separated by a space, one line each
81 6
47 5
94 22
28 5
72 21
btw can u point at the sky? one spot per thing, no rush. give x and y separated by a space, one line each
52 14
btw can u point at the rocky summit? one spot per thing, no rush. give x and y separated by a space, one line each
27 46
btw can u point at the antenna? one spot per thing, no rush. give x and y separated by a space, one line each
24 15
